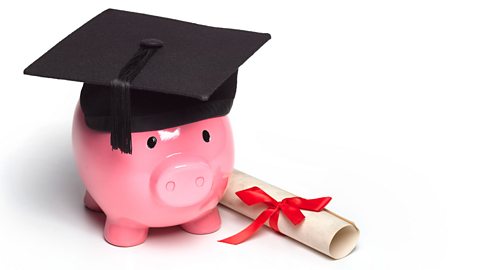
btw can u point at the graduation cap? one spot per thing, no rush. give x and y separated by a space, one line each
143 72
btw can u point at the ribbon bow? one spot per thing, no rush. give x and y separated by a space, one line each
290 207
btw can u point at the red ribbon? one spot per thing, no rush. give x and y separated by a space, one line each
290 207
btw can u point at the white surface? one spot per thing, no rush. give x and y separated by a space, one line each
372 102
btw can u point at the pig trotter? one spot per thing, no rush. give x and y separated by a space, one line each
90 203
206 224
124 234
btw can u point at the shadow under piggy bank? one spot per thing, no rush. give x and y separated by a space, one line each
42 179
44 186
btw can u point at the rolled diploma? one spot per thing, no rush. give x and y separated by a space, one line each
323 231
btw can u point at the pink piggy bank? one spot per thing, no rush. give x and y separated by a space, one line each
173 177
151 139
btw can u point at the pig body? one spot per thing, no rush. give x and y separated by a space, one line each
173 177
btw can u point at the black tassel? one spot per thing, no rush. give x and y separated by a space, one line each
120 136
120 107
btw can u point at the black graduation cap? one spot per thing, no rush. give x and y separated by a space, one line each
143 72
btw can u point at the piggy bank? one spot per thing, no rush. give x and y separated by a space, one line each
151 139
174 176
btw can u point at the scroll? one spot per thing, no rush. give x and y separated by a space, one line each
323 231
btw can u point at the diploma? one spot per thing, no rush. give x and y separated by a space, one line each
323 231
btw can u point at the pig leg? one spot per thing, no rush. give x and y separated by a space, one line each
206 224
124 233
90 203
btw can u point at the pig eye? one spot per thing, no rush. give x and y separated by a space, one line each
206 136
152 141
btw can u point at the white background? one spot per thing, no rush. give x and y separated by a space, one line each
375 103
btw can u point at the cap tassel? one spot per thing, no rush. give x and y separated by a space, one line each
121 137
120 109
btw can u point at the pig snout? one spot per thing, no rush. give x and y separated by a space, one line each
180 184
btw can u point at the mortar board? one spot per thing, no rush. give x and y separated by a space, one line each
144 73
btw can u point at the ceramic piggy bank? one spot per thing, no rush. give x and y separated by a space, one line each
151 136
174 176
